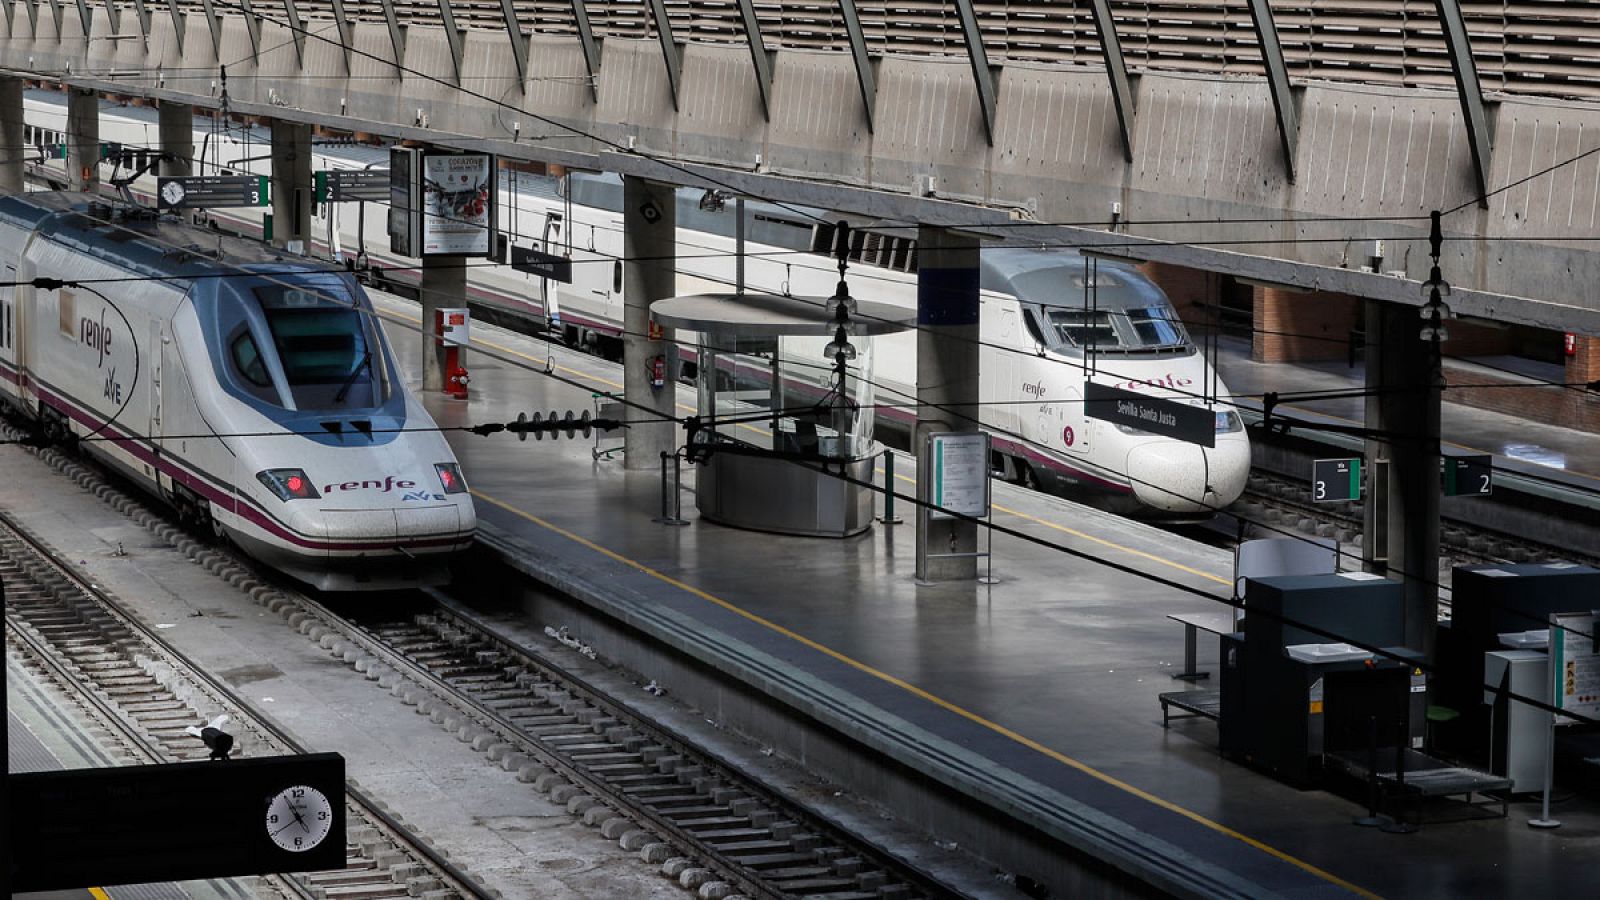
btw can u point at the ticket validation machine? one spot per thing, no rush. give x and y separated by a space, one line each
781 444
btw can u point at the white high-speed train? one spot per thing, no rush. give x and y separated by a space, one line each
251 391
1050 320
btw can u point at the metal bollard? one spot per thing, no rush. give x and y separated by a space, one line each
889 518
1400 825
671 498
1371 819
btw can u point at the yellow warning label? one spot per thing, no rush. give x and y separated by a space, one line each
1416 672
1316 707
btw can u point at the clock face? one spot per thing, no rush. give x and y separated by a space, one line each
172 192
299 818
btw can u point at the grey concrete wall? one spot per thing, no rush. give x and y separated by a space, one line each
1205 148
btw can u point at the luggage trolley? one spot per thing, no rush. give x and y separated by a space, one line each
606 406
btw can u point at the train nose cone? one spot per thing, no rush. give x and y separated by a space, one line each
1169 475
1187 478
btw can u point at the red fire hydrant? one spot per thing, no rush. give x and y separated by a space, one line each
451 327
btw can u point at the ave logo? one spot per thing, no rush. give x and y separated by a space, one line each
423 496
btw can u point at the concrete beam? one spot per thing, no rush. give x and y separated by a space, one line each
297 30
1277 80
397 37
452 35
759 63
216 26
591 47
858 51
1469 90
982 78
177 25
1117 71
519 41
671 53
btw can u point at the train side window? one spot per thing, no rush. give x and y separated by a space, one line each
68 321
247 359
616 277
5 330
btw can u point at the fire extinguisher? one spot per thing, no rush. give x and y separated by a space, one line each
1570 344
658 371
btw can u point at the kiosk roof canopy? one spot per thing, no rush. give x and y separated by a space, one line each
772 315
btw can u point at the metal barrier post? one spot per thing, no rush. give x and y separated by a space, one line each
671 499
1371 819
889 518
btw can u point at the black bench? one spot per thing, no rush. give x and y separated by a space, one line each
1195 704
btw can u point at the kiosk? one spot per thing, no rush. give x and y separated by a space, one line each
781 444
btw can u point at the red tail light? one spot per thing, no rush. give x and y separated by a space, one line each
450 478
288 484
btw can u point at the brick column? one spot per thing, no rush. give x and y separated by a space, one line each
1584 366
1295 326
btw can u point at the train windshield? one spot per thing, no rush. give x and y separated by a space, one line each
1144 330
325 348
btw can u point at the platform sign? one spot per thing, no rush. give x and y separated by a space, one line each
79 828
341 185
1575 663
958 483
544 265
212 191
1194 424
1468 475
1336 480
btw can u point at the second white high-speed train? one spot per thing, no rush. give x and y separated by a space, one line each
1051 320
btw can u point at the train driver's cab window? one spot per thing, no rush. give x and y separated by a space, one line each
316 351
1157 328
1083 328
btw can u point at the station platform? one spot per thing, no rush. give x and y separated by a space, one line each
1559 455
1036 695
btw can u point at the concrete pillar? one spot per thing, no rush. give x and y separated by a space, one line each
83 139
1583 366
444 284
649 238
177 139
291 183
947 384
1401 535
10 135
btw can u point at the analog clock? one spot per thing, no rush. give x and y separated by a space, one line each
299 818
172 192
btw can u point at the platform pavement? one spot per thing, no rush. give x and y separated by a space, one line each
1039 690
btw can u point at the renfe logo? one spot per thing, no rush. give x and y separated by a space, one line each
388 484
96 336
1171 381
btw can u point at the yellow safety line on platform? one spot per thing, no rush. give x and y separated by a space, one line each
99 894
931 698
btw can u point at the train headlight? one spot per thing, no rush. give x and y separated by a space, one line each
288 484
1229 423
450 478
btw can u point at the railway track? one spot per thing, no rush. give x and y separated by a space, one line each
708 827
143 694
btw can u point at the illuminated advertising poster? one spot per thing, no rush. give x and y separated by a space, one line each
458 204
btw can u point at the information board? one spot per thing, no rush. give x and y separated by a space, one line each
959 479
1194 424
78 828
1468 475
1575 664
341 185
211 191
1335 480
457 204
